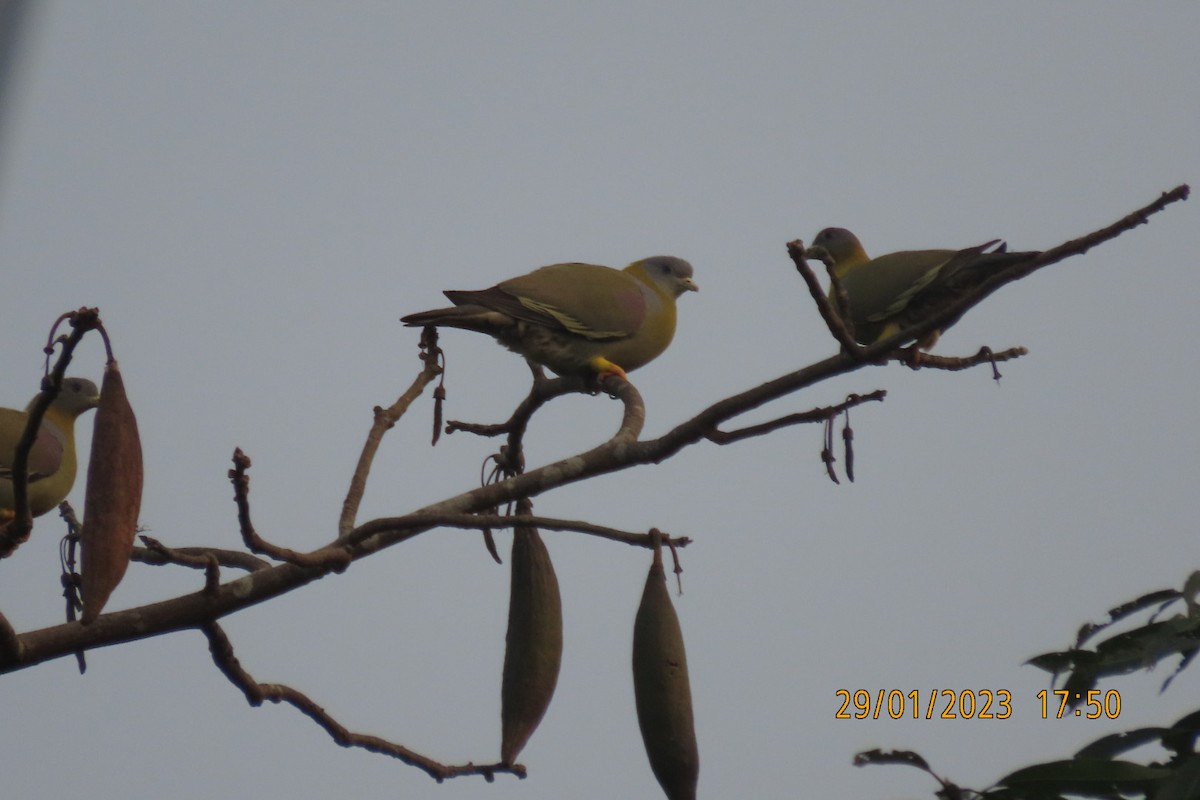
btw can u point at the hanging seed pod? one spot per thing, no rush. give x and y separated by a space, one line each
114 495
661 690
533 644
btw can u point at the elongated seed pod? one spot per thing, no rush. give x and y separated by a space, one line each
661 690
533 644
113 497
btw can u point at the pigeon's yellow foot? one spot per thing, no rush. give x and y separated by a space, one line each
606 369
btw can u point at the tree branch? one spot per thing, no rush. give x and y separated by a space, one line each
223 656
473 521
815 415
385 419
951 364
833 320
622 451
333 558
541 392
156 553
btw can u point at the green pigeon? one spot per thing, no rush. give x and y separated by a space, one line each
576 319
891 292
52 461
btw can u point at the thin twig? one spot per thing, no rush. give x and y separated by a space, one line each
984 356
541 392
332 558
384 420
815 415
226 660
156 553
833 320
475 521
212 576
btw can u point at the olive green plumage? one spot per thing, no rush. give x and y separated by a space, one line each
893 291
52 461
576 318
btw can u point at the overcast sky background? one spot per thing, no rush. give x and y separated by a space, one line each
253 193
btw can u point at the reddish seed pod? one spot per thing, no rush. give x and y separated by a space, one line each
114 495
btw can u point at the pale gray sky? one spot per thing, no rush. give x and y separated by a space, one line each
253 193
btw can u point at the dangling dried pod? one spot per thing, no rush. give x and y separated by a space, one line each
114 495
533 644
661 689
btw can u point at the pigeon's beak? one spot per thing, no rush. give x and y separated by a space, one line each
816 253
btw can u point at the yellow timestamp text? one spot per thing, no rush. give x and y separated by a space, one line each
1092 704
931 704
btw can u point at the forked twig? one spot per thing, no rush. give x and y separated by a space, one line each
226 660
